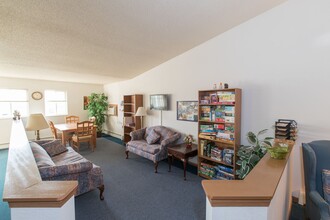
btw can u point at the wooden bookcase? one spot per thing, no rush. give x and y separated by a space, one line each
131 104
219 132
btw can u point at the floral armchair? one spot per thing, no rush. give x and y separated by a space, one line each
151 143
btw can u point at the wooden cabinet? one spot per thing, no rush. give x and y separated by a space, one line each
219 124
131 122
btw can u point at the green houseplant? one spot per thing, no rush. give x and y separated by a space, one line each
97 107
249 156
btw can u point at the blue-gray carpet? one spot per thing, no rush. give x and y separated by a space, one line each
4 209
134 191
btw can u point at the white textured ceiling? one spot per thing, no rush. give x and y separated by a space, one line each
103 41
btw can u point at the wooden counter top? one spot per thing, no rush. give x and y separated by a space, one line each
257 189
23 185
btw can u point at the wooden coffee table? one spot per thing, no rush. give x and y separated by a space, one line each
182 153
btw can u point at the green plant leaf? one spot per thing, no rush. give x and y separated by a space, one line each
252 138
262 132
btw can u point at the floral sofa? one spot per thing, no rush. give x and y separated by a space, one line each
151 143
57 162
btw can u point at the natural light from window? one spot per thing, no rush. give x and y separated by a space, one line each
55 103
11 100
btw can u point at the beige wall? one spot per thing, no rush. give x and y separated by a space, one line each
280 59
75 93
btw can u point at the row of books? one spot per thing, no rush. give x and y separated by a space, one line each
218 130
218 98
216 172
210 149
218 113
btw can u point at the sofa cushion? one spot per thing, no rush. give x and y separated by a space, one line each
144 146
326 185
152 137
53 147
40 155
68 157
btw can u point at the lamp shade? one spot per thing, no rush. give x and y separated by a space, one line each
36 122
141 112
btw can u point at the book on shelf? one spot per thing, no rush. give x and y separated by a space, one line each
229 110
206 128
213 98
229 119
219 114
219 127
229 128
205 113
205 99
226 97
216 154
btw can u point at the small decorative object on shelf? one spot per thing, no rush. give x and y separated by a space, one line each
188 140
17 115
226 86
214 86
220 85
286 129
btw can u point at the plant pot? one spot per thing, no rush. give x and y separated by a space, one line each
278 152
188 145
99 134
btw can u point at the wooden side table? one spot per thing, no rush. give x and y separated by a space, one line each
182 153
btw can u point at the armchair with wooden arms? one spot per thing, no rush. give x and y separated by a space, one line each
71 119
84 133
58 135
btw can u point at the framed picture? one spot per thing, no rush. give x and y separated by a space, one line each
86 101
187 110
113 109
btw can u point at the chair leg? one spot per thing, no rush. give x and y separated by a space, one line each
126 154
156 166
101 188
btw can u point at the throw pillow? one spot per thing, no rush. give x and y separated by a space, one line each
326 185
53 147
40 155
152 137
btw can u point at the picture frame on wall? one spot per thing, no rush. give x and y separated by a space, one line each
187 111
113 109
85 101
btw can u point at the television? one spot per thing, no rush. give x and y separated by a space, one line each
159 102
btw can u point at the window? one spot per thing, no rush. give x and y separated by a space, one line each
11 100
55 103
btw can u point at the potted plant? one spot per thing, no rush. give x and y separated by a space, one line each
188 139
249 156
97 107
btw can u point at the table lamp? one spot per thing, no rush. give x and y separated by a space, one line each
36 122
141 112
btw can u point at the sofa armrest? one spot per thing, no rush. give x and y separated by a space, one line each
169 140
321 204
53 171
138 134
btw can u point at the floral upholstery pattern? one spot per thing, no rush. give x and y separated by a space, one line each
40 155
154 152
68 165
326 185
152 137
53 147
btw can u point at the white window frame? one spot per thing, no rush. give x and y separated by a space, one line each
56 101
12 101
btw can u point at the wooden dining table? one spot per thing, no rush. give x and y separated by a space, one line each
67 128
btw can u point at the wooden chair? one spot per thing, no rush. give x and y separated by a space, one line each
58 135
71 119
84 133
